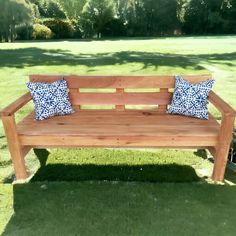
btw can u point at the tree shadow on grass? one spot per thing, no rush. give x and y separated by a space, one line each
41 57
91 172
201 153
119 172
99 208
38 57
42 155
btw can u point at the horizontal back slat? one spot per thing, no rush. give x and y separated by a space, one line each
158 81
121 98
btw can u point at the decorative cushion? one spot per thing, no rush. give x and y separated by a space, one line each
190 99
50 99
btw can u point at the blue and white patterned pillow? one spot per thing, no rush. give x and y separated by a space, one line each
50 99
190 99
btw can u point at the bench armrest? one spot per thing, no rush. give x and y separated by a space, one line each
16 105
221 105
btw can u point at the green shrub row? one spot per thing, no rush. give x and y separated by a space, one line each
50 28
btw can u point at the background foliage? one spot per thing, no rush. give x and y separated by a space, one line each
19 19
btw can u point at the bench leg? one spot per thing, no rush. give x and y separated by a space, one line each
222 148
220 162
16 150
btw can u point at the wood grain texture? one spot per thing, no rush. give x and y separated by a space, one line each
212 150
153 81
121 98
163 107
221 150
222 147
88 128
115 141
74 93
15 147
90 117
221 105
120 107
16 105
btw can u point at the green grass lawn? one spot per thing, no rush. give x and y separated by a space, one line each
98 208
123 192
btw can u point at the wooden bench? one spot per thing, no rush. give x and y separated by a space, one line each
119 127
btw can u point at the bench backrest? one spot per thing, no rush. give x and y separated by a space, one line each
120 91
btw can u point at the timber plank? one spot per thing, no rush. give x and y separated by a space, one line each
121 98
95 126
145 81
116 141
115 117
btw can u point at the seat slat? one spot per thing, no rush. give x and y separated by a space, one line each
113 117
104 128
73 130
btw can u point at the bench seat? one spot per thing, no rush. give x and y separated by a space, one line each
103 128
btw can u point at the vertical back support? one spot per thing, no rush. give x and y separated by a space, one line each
118 106
163 108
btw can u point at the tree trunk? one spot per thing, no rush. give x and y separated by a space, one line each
7 34
12 34
27 32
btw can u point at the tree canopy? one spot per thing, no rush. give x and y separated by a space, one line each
104 18
13 12
96 14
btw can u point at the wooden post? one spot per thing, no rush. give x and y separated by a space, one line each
74 92
120 107
15 148
163 108
222 148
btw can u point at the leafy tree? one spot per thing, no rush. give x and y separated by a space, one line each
114 28
55 10
135 18
161 17
229 16
41 32
73 8
61 28
210 16
87 18
41 6
149 17
50 9
95 15
13 12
